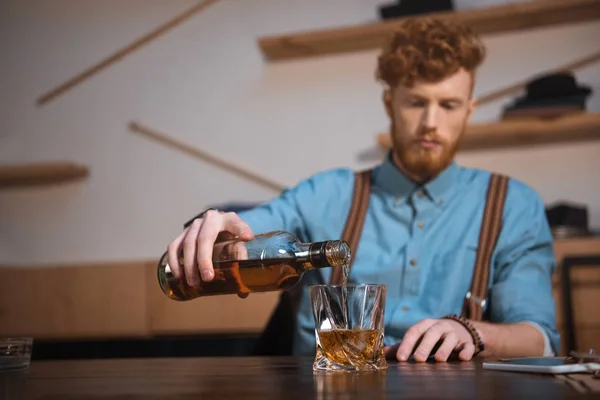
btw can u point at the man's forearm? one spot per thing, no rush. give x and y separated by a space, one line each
510 340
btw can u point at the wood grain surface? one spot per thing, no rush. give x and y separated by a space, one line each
270 378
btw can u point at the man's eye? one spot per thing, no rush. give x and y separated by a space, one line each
416 104
449 106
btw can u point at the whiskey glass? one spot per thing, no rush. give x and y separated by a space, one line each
349 326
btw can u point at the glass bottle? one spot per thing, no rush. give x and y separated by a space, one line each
270 261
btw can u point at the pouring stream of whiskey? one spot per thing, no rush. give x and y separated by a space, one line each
345 273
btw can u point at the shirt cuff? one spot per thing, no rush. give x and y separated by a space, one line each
548 352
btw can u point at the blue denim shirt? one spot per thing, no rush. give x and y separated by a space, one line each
436 226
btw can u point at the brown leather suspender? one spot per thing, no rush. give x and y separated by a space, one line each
355 220
491 225
490 230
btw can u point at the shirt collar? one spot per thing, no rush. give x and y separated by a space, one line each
392 180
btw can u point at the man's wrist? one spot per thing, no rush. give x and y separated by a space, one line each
475 334
201 215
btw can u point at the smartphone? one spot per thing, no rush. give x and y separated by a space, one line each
544 365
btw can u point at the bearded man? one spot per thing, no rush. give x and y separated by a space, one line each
422 225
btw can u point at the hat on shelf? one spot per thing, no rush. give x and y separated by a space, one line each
404 8
568 220
548 96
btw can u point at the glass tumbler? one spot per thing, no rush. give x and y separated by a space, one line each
15 353
349 323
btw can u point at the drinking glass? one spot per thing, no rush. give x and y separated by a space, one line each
15 353
349 321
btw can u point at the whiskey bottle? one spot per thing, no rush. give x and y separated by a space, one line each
270 261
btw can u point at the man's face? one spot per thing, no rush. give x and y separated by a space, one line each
428 120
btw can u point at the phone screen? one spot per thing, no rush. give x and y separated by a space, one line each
542 361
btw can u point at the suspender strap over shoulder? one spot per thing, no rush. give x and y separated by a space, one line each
355 220
491 226
488 236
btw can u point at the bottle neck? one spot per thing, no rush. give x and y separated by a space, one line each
329 253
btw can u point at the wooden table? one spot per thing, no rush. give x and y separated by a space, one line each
268 378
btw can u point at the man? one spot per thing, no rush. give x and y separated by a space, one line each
421 229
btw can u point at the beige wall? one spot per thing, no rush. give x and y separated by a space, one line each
206 83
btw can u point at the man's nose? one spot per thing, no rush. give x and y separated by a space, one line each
430 120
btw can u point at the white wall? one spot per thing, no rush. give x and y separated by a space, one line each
206 84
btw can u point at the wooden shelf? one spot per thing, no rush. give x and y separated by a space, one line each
489 20
584 126
44 173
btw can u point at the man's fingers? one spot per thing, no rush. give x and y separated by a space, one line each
450 342
239 251
234 224
411 337
431 337
189 253
213 224
173 251
467 352
197 242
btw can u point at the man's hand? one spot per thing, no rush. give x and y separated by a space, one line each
428 332
197 241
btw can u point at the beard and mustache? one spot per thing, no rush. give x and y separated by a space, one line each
418 161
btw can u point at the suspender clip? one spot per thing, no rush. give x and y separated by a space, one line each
475 299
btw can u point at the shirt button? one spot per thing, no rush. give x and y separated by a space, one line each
398 201
420 224
420 194
413 262
405 309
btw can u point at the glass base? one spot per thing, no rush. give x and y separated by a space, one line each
14 362
322 363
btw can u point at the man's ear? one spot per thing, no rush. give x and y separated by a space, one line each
472 105
387 101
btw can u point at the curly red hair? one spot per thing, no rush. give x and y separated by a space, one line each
430 50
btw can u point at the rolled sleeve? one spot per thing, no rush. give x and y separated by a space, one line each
297 208
279 213
525 262
548 351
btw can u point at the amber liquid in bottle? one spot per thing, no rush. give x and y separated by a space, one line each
270 262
